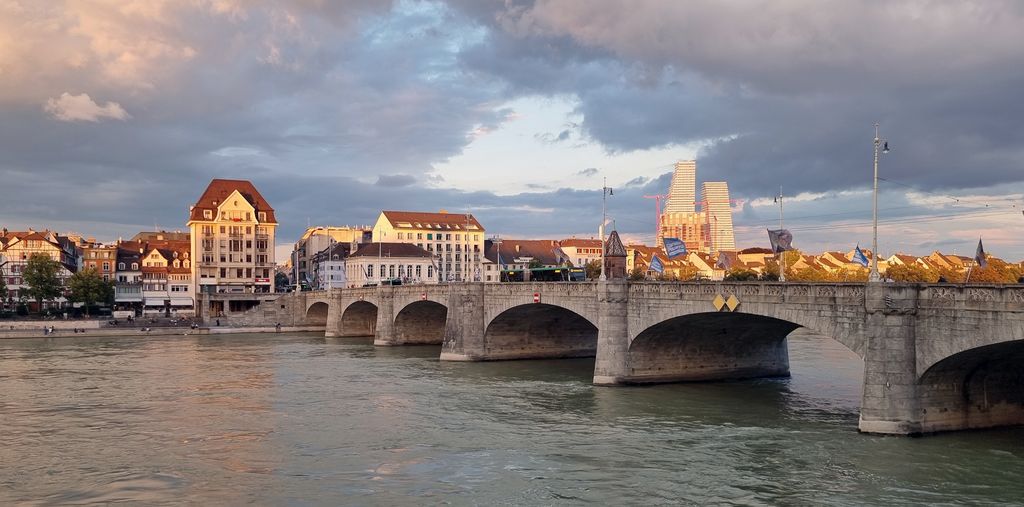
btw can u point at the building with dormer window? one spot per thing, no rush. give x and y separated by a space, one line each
232 233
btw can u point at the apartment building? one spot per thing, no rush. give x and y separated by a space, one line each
16 247
232 238
455 240
167 276
102 258
375 263
315 240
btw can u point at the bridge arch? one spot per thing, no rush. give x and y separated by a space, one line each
316 313
359 319
421 322
538 330
982 387
711 346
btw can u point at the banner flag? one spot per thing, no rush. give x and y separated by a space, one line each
674 247
781 240
979 256
724 262
656 265
859 257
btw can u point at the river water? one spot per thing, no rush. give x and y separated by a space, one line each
297 419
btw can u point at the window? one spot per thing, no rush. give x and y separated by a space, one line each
369 271
447 237
383 271
262 216
401 270
419 235
135 266
456 237
248 217
399 235
391 271
408 270
120 266
430 271
430 236
223 229
238 272
208 214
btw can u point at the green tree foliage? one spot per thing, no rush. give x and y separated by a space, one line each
534 264
593 270
740 275
40 275
637 274
912 273
281 282
997 271
3 288
89 288
686 273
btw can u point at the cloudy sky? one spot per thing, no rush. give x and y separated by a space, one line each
115 114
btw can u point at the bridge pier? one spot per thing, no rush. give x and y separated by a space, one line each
611 365
385 330
464 329
890 401
334 312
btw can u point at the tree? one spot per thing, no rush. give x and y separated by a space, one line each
89 288
534 264
637 274
740 275
40 275
593 270
910 273
281 282
997 271
3 289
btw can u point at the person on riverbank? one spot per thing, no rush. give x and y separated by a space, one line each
277 327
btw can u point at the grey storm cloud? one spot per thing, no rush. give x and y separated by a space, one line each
309 99
787 95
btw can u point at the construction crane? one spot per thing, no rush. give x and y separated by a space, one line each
657 211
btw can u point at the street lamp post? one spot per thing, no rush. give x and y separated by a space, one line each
782 255
879 142
605 192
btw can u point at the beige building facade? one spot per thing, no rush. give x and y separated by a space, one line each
232 237
455 240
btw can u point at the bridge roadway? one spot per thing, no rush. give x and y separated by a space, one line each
936 357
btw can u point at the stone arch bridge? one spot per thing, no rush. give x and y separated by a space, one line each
936 357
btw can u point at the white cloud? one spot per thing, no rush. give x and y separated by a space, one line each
82 108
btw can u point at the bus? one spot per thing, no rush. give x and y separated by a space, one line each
559 274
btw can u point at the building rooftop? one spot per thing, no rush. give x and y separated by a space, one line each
219 189
440 221
390 250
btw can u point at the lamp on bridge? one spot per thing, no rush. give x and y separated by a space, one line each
884 144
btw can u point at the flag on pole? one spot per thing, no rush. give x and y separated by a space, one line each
979 256
859 257
781 240
656 265
674 247
724 261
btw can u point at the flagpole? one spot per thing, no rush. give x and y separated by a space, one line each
782 255
873 276
604 218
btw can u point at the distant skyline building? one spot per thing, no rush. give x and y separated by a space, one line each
718 216
682 194
707 229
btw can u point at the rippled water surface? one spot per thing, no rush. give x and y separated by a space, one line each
303 420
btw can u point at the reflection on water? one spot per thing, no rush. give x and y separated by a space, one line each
300 419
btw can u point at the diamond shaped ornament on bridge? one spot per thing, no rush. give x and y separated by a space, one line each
719 302
732 302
